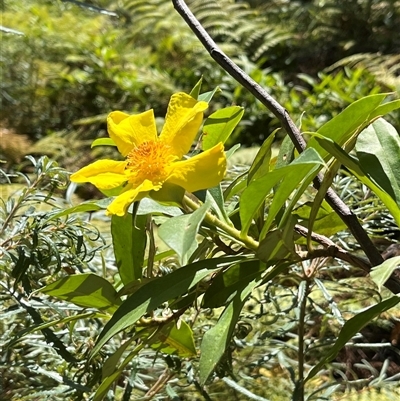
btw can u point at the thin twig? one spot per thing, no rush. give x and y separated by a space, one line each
280 112
332 250
335 251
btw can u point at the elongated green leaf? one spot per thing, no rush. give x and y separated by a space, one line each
229 153
327 221
260 165
216 199
129 242
87 290
305 166
344 125
180 232
220 125
216 340
177 339
110 365
236 186
353 165
57 322
380 274
91 206
103 142
378 151
352 327
286 153
196 90
109 380
150 206
207 96
154 293
385 108
278 244
228 283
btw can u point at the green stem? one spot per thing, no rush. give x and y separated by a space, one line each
209 218
299 391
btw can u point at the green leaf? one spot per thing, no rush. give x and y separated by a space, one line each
109 380
103 142
91 206
150 206
207 96
87 290
260 165
176 338
385 108
110 365
353 165
196 89
129 242
219 125
229 153
154 293
305 167
217 339
278 244
216 199
327 221
378 151
180 232
58 322
228 283
351 328
286 153
381 273
236 186
344 125
169 195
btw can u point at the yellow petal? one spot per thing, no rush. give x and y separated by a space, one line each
129 131
205 170
104 174
182 122
120 204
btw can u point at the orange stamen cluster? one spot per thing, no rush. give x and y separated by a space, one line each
149 161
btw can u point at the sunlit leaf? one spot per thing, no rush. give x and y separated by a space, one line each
228 283
341 127
154 293
196 89
219 125
380 274
305 166
378 151
87 290
103 142
216 199
353 165
260 165
129 244
176 339
91 206
207 96
216 340
180 232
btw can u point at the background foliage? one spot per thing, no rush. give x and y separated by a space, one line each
67 69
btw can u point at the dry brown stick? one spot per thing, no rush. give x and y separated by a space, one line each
333 250
348 217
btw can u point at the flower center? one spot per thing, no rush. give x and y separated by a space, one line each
149 161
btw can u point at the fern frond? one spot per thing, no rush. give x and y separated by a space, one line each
386 68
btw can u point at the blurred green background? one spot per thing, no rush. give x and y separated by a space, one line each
66 64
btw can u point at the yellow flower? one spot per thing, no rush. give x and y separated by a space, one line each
153 161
